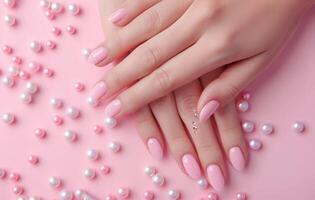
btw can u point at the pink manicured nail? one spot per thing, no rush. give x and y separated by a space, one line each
215 176
113 108
117 16
97 55
237 158
98 91
208 110
155 148
191 166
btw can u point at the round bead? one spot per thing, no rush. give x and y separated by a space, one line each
9 20
79 87
48 72
8 81
298 127
40 133
86 52
150 171
148 195
57 120
8 118
14 176
173 194
2 173
22 198
89 173
248 126
74 9
71 30
34 67
114 147
7 49
267 129
82 195
56 103
70 136
35 46
56 7
123 193
9 3
34 198
255 144
56 31
158 180
105 169
54 182
13 71
92 102
241 196
50 44
50 15
110 197
243 106
31 87
92 154
26 98
66 195
97 129
212 196
16 60
110 122
203 183
45 4
33 159
18 190
73 112
24 75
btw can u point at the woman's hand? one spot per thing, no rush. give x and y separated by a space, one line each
174 42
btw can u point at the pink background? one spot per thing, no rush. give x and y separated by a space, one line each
283 169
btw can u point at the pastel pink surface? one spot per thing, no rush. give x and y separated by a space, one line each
283 169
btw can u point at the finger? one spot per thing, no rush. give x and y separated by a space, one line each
149 132
230 83
202 134
165 112
142 28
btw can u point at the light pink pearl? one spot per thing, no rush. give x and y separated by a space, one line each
79 87
18 190
56 31
70 29
123 193
7 49
50 15
51 44
33 159
105 169
110 197
3 173
14 176
148 195
34 66
10 4
97 129
57 120
40 133
16 60
213 196
48 72
24 75
241 196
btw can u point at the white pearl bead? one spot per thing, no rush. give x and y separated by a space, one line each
110 122
66 195
56 103
56 7
110 197
243 106
267 129
203 183
74 9
45 4
70 136
9 20
79 194
9 3
255 144
13 71
86 52
173 194
92 154
73 112
158 180
21 198
35 46
298 127
248 127
8 81
26 98
89 173
123 193
8 118
54 182
91 102
114 147
150 171
31 87
34 198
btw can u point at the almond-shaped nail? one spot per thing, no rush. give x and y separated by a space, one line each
208 110
97 55
237 158
215 176
98 91
191 166
155 148
117 15
113 108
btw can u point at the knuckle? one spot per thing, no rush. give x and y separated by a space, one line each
209 152
231 90
208 10
150 55
189 102
113 80
151 21
142 122
178 144
161 81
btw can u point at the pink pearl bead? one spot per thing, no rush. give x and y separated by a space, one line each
51 44
16 60
34 66
97 129
56 31
24 75
33 159
18 190
48 72
7 49
213 196
110 197
58 120
79 87
70 29
241 196
50 15
148 195
123 193
40 133
10 3
14 176
3 173
105 169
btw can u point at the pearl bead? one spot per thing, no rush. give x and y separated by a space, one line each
31 87
16 60
158 180
79 87
50 44
54 182
45 4
79 194
248 127
35 46
13 71
8 81
203 183
40 133
24 75
7 49
14 176
255 144
123 193
243 106
57 120
173 194
86 52
34 67
241 196
2 173
150 171
21 198
18 190
56 7
48 72
26 98
110 122
114 147
74 9
298 127
148 195
8 118
92 154
267 129
92 102
71 30
33 159
56 31
110 197
9 20
66 195
70 136
34 198
56 103
213 196
97 129
73 112
105 169
9 3
50 15
89 173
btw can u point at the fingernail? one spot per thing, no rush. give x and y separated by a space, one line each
97 55
113 108
191 166
155 148
98 91
117 16
237 158
208 110
215 176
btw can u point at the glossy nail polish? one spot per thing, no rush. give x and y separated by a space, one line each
208 110
215 176
237 158
98 55
191 166
117 16
155 148
113 108
98 91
